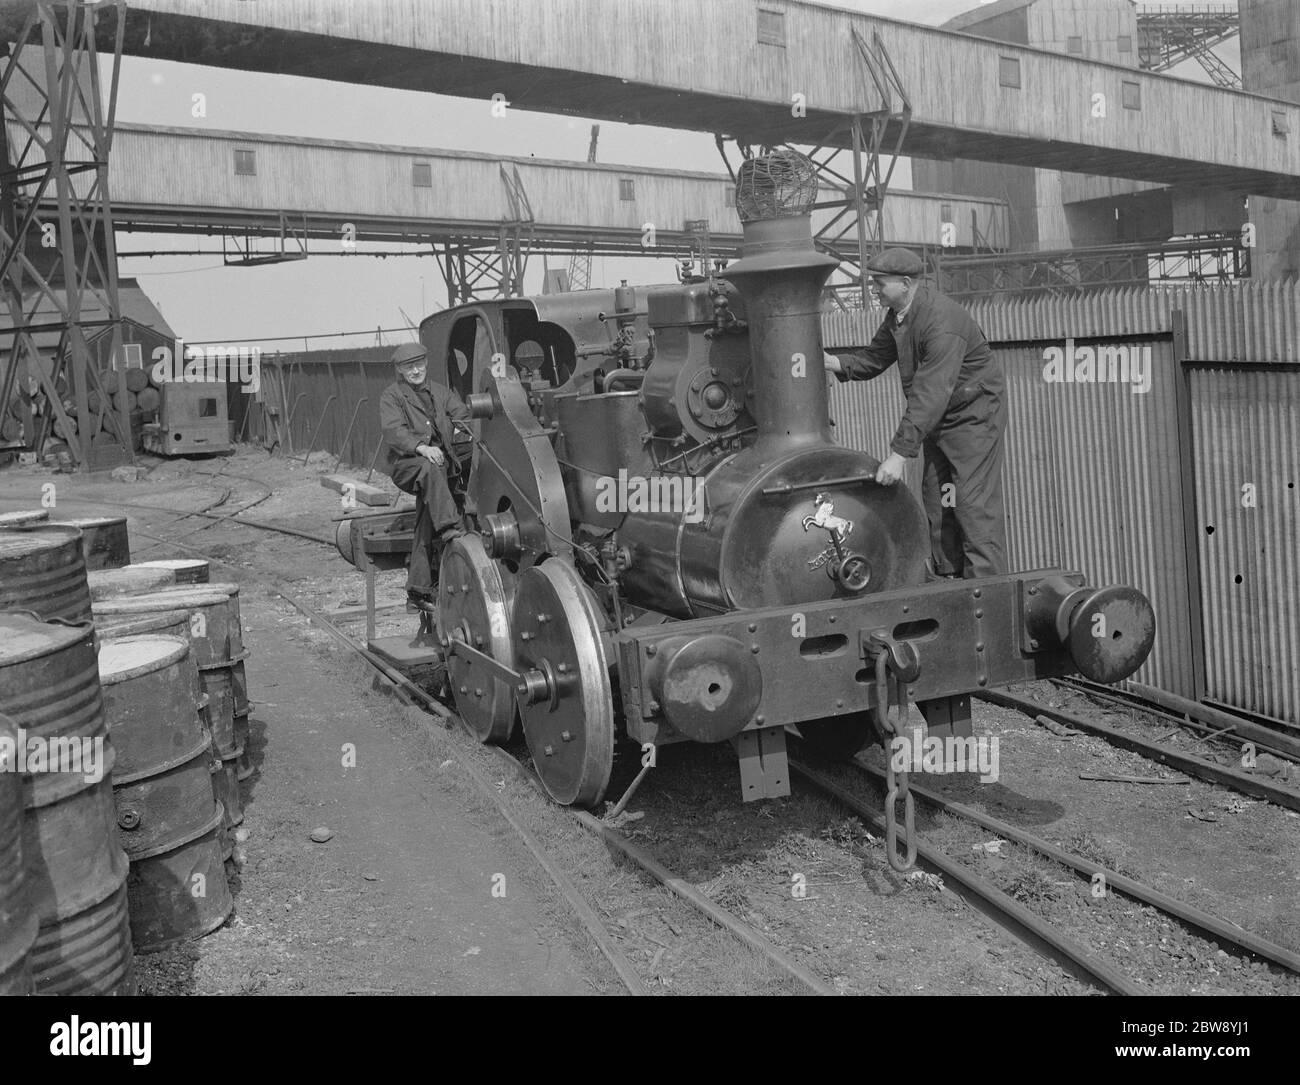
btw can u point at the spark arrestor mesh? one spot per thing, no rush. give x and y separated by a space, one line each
779 184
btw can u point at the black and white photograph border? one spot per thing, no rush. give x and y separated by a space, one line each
563 497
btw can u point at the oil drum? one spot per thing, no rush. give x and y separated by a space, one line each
213 610
186 570
239 682
128 580
104 540
43 571
167 816
169 623
75 865
225 683
17 919
22 518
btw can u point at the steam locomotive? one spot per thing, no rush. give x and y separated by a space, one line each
670 545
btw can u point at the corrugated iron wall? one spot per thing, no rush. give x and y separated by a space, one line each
1251 322
1101 469
1247 426
1091 476
1092 483
296 404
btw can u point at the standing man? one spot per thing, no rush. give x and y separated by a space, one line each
417 416
956 413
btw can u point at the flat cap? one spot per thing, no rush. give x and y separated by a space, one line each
409 352
896 262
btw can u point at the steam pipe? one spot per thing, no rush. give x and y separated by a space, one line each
631 377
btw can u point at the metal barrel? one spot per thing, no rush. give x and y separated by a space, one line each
104 540
217 683
128 580
22 518
225 785
49 685
43 570
17 919
240 679
214 618
180 893
170 623
167 815
186 570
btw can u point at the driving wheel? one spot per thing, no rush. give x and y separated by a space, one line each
565 700
474 606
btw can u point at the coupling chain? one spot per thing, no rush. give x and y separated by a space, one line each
895 782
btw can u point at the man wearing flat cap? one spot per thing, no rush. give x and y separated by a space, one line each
417 416
956 413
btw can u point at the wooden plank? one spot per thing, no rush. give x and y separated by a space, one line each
364 493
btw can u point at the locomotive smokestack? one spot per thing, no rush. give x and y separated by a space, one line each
781 275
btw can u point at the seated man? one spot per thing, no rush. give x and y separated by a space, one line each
417 416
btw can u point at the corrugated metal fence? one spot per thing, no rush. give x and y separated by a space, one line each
317 401
1189 490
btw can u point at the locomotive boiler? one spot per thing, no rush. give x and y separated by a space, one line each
671 545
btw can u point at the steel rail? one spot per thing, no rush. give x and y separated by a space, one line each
1067 948
411 694
1193 766
1189 713
234 518
679 887
1189 914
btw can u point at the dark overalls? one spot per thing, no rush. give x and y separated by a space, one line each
957 415
411 417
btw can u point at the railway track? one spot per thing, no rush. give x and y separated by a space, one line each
1193 764
1033 929
1041 933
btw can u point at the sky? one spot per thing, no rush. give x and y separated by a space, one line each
204 301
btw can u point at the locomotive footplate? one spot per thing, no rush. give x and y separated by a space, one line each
711 679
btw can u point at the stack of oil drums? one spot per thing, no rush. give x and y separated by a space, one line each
129 846
75 868
168 818
216 640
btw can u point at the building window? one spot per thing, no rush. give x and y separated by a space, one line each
771 27
1125 43
207 408
1281 125
421 175
245 164
1131 95
130 357
1074 44
945 212
626 188
729 196
1008 72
